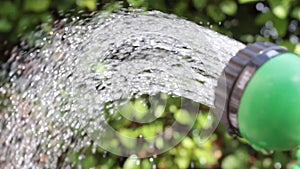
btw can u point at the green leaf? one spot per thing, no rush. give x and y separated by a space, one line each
159 111
280 11
297 49
262 18
232 162
248 1
46 17
281 26
280 8
216 13
25 22
181 7
173 108
199 4
90 4
111 7
131 163
140 109
9 9
228 7
287 44
5 25
89 162
247 38
182 162
159 142
140 106
188 143
146 164
136 3
108 164
296 13
155 4
149 132
36 5
183 117
126 138
206 155
238 160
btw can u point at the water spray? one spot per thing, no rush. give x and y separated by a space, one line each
258 94
90 70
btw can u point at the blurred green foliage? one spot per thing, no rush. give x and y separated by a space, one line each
244 20
219 151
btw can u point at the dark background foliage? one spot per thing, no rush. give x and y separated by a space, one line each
243 20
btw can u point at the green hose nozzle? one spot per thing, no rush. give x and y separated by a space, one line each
297 165
259 96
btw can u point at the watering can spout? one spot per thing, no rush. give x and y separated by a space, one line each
258 94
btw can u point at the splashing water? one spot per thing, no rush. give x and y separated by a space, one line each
59 95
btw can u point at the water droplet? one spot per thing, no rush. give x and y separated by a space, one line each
104 155
277 165
192 165
138 162
80 157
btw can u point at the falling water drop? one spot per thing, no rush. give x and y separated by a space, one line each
277 165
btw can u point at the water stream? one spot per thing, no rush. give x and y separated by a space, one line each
59 95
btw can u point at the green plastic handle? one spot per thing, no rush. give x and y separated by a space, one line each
269 112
